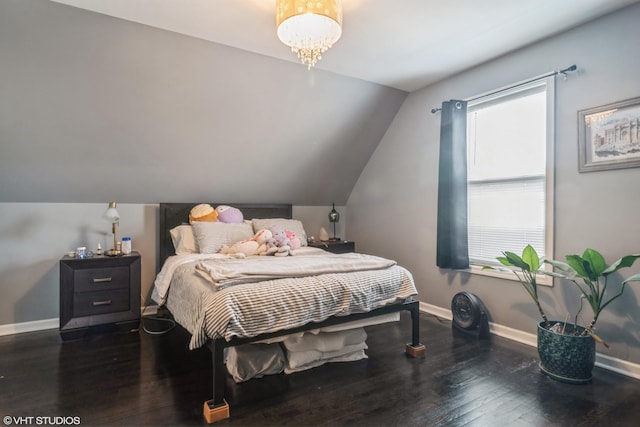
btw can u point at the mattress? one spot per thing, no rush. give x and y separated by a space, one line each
275 298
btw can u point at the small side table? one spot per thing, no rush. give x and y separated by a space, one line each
98 291
335 246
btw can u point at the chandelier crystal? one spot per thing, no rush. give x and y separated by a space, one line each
309 27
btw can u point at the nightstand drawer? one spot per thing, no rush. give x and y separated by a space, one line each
100 279
101 302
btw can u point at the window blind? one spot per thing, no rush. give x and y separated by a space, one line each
505 215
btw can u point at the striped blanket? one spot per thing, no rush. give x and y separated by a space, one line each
280 302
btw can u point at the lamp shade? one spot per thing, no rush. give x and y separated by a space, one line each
334 215
111 214
309 27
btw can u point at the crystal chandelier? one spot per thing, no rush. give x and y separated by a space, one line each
309 27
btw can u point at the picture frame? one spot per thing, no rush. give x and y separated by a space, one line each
609 136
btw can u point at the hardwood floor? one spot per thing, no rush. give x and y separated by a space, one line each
139 379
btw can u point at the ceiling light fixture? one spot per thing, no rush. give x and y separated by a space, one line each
309 27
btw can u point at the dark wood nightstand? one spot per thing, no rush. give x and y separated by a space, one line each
335 246
99 291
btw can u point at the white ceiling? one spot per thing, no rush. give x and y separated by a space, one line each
405 44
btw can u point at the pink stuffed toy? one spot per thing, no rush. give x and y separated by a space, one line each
293 239
278 244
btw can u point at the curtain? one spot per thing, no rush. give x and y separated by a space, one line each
452 244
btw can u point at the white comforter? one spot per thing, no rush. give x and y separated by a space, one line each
210 310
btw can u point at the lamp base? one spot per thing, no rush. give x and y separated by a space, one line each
113 252
334 239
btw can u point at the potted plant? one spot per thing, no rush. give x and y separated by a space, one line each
567 351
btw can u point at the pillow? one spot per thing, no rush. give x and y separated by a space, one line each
184 241
211 236
203 212
288 224
229 214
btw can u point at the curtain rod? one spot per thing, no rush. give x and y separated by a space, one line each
543 76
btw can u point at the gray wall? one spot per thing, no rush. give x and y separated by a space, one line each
94 108
392 208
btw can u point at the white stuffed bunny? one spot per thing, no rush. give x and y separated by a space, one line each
244 248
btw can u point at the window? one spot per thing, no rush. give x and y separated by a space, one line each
510 172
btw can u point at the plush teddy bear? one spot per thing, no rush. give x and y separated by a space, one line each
278 244
229 214
293 239
244 248
203 212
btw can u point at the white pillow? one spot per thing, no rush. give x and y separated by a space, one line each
184 242
288 224
211 236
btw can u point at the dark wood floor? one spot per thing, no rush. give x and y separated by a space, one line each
138 379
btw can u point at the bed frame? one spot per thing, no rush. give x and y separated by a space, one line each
217 408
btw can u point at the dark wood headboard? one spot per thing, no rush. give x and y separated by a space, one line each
174 214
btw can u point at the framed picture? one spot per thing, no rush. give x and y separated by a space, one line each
609 136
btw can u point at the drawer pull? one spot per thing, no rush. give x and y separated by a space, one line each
106 302
102 280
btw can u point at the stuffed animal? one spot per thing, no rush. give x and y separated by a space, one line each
293 238
262 237
203 212
278 244
229 214
254 246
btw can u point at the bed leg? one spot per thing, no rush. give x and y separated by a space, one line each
415 349
217 408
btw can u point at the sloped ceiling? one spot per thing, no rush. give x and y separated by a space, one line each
96 106
406 44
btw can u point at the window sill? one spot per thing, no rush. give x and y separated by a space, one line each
506 275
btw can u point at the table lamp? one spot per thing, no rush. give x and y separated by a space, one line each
112 215
334 217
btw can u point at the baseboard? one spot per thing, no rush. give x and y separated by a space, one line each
41 325
36 325
443 313
619 366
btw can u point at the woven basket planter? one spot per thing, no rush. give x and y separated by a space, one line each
566 358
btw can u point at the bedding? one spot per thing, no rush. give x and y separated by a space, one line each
239 306
254 361
183 240
295 353
212 236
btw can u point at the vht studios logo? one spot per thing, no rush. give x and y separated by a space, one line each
41 421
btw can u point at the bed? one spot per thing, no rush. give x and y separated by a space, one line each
215 310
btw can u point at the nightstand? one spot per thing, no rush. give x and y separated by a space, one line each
99 291
335 246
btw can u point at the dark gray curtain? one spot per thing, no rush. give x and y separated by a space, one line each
453 250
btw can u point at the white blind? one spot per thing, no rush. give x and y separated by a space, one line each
505 216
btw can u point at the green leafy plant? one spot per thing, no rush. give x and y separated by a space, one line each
526 268
590 273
